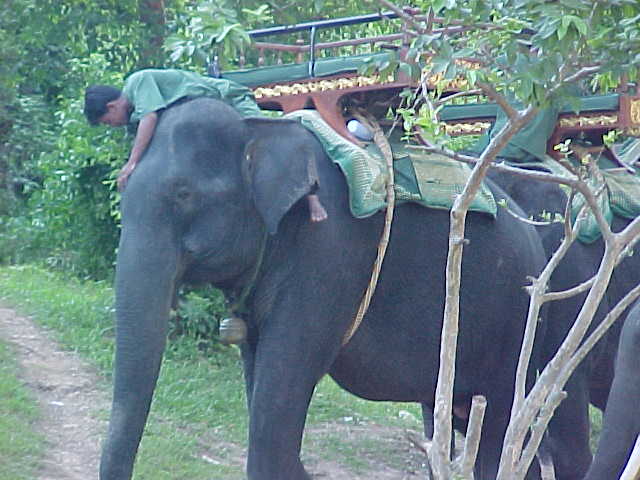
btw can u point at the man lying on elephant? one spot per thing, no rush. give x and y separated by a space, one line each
147 93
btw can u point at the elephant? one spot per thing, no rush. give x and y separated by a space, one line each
621 421
568 435
216 200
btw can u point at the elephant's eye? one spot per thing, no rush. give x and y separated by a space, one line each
183 195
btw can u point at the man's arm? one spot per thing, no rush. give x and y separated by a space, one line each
143 136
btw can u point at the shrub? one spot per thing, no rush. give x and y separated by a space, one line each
70 220
198 317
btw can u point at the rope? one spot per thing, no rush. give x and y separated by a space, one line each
383 144
238 307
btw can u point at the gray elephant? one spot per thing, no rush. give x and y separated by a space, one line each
621 422
569 430
216 199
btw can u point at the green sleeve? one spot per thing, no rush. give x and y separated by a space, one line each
143 92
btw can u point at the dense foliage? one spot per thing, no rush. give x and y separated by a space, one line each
58 201
57 197
55 205
530 47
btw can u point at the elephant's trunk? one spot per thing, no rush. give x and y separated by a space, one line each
145 282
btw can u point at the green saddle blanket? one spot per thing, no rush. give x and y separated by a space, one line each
620 197
428 179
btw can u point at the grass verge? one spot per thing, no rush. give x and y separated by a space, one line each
20 446
198 423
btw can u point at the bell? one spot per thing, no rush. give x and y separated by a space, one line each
233 331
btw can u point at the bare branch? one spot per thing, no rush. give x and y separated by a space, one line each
537 432
537 299
446 374
580 74
491 92
528 221
404 16
472 440
558 371
554 375
453 96
599 332
570 182
629 236
632 469
564 294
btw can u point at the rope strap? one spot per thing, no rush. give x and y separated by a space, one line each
383 144
238 307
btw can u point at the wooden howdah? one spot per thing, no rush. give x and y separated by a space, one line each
330 93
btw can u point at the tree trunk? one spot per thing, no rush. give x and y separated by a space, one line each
152 16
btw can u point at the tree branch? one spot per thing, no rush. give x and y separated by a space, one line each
604 326
633 465
403 15
492 93
472 439
446 374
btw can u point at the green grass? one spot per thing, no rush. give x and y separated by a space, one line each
595 417
198 422
20 446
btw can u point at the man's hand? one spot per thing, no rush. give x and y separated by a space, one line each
123 176
143 137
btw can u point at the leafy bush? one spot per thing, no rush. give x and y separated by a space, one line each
198 317
49 52
70 221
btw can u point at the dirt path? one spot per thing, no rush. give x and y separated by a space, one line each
74 410
69 399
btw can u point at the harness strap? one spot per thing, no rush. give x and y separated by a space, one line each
383 144
238 307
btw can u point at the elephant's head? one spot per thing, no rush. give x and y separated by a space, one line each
196 209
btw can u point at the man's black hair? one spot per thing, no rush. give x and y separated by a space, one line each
96 98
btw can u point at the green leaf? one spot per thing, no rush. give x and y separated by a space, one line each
176 54
225 31
562 29
548 29
577 4
406 69
438 5
580 25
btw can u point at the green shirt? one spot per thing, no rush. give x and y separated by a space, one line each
152 90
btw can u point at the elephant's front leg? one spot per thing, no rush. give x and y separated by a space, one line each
275 435
284 378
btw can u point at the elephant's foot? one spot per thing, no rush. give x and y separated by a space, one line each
233 331
291 472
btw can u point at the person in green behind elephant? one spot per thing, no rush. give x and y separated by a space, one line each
147 93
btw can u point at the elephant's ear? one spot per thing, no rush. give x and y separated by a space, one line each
279 166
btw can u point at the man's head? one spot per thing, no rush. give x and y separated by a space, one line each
105 104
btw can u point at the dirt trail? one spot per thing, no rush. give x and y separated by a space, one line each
74 410
66 391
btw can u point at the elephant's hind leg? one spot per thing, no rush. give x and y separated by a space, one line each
621 421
